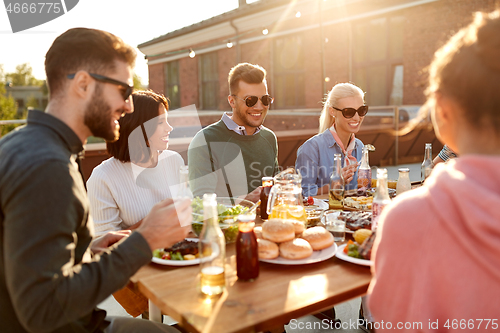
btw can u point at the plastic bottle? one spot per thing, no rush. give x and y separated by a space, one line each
427 164
364 173
212 249
247 253
337 185
381 197
404 183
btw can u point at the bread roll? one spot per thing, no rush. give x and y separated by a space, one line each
267 249
318 237
258 232
299 226
295 249
278 231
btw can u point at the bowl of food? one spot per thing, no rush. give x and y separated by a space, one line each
314 216
228 210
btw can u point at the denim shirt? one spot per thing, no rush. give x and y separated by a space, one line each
315 162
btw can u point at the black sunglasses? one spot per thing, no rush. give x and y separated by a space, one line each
125 93
350 112
252 100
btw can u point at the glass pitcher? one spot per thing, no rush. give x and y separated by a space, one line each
285 199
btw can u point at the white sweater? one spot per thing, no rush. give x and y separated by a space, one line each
122 194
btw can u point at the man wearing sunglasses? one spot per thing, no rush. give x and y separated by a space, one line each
53 273
238 147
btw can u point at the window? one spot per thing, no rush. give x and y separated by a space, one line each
209 82
289 72
172 84
377 60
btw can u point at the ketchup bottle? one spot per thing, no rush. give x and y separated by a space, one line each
247 254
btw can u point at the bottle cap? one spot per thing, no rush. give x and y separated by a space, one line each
404 170
381 173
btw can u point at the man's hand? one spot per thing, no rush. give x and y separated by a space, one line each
254 196
162 226
102 243
348 172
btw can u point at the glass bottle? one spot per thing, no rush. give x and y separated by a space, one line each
381 197
404 183
364 173
336 192
267 183
247 253
427 164
184 191
212 249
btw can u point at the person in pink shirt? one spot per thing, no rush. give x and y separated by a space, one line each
437 252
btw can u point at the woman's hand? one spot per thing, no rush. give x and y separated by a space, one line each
348 172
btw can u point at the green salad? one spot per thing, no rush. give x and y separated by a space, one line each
226 217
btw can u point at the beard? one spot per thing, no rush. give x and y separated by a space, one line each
97 118
242 115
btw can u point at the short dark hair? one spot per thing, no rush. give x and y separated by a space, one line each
245 72
146 105
84 49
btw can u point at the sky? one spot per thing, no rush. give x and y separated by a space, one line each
135 21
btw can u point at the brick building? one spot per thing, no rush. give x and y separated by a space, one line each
383 46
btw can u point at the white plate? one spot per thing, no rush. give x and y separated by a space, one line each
321 204
317 256
178 262
341 255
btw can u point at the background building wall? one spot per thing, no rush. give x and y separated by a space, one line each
426 27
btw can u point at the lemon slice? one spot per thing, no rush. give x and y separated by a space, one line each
297 212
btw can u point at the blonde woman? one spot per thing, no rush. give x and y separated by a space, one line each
341 118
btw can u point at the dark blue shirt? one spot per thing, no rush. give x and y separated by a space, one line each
49 279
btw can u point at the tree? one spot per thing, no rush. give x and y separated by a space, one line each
2 74
23 76
137 82
8 110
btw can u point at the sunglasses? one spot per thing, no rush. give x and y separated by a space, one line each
125 93
252 100
350 112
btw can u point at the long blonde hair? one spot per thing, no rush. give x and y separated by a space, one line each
340 90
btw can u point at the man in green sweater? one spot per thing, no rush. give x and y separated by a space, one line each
231 156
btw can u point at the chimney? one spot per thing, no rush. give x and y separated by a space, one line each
241 3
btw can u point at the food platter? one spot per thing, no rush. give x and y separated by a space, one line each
342 256
317 256
178 262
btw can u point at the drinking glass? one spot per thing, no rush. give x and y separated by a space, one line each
335 226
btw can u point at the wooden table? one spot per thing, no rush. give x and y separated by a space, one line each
280 293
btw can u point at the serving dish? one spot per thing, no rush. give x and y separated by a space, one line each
317 256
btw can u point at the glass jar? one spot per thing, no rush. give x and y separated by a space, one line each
404 183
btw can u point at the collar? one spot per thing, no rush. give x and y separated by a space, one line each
352 141
70 139
232 126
